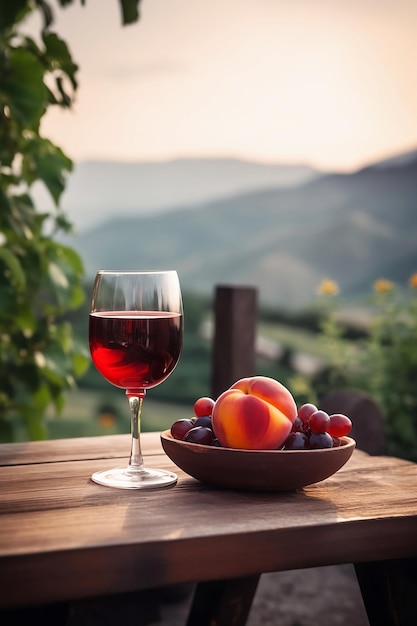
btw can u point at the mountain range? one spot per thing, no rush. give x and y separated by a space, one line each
97 190
282 238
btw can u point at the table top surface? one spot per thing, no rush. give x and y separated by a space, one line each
63 537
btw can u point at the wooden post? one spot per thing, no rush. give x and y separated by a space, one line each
235 316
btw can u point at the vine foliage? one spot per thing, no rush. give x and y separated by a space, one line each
41 280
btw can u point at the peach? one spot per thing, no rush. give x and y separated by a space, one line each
255 413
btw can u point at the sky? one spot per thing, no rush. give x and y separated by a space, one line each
328 83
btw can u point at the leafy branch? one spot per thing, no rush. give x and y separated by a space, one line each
40 278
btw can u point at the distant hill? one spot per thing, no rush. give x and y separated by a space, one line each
97 190
353 228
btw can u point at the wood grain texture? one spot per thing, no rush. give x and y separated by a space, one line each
106 446
64 537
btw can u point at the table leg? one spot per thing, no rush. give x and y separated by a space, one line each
223 602
389 591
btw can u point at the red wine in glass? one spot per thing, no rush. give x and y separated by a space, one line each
135 351
135 339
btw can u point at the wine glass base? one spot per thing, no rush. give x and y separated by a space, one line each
126 478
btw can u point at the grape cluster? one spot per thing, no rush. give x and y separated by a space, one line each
316 429
311 429
197 429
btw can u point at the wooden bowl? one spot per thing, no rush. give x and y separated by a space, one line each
256 470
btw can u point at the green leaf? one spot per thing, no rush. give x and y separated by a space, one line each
12 11
130 11
8 303
77 297
64 224
65 3
63 336
72 259
46 162
57 277
54 365
59 401
22 218
65 98
81 360
23 88
15 273
25 318
34 421
42 397
47 13
58 55
65 269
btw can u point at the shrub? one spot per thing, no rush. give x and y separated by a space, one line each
384 362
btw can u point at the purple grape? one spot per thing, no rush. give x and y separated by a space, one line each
320 440
204 420
200 434
296 441
297 425
181 427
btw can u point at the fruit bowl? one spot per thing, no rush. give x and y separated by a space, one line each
256 470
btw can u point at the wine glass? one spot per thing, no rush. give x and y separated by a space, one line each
135 338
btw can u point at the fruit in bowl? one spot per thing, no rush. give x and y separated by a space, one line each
260 413
225 443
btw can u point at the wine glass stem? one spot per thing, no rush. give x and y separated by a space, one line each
135 404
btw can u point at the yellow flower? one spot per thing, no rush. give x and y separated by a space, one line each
413 280
106 420
382 285
328 287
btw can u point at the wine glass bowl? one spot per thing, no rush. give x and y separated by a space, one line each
135 339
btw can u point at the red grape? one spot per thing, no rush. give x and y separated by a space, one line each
305 411
203 406
319 421
181 427
340 425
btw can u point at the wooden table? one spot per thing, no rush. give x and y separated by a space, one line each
64 538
